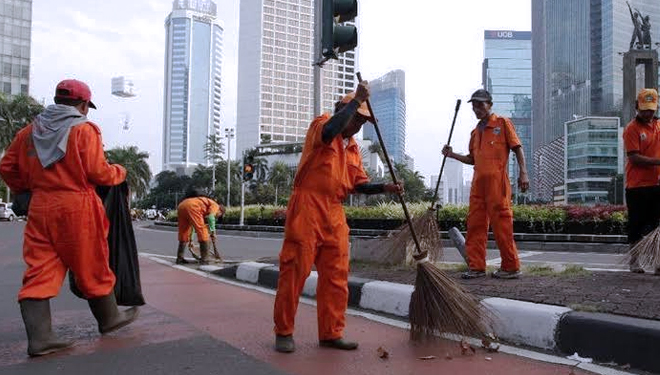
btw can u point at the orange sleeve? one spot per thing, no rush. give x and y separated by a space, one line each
512 139
631 140
213 207
315 132
9 166
357 173
99 172
471 144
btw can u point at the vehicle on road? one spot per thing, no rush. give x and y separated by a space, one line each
6 212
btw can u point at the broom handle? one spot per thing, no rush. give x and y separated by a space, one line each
444 158
394 179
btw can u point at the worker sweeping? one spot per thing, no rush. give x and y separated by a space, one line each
490 195
211 221
641 139
59 158
191 212
316 232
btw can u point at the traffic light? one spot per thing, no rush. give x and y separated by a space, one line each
338 38
248 168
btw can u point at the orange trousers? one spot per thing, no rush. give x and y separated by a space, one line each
316 233
66 230
189 219
490 203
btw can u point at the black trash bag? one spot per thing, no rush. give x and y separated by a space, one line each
123 249
21 203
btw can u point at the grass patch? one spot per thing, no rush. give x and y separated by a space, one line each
573 270
584 307
539 271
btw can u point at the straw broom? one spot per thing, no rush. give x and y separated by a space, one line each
438 304
426 225
646 250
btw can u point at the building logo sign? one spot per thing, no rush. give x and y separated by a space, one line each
507 34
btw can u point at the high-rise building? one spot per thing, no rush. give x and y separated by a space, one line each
275 72
388 100
577 70
193 83
592 157
507 75
16 31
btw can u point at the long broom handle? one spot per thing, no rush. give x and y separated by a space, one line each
444 158
394 179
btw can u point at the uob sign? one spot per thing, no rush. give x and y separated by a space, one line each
505 34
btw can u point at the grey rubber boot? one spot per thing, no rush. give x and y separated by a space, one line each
179 254
285 344
204 253
108 316
41 339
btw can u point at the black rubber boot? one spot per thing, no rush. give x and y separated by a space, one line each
339 343
108 315
285 344
204 253
41 339
179 254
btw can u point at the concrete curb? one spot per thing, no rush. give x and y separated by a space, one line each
603 337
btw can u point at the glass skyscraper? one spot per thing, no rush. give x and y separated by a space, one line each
193 83
388 100
577 71
507 75
15 31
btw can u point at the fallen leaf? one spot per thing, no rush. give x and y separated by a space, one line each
426 358
465 347
448 356
488 359
382 353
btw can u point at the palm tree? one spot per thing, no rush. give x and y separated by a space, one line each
135 162
260 169
213 150
15 113
280 177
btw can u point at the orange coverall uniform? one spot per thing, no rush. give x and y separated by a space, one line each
191 213
316 232
490 195
67 227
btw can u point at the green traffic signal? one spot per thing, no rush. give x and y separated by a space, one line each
338 38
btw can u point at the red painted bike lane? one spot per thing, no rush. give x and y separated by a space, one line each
243 318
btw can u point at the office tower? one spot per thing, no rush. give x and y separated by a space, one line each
388 100
193 83
16 30
275 73
507 75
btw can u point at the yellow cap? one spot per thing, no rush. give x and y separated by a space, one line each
647 99
363 109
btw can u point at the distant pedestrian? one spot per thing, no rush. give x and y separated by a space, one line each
192 211
59 158
490 195
316 232
641 140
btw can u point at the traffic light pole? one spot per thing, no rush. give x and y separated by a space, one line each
318 29
242 203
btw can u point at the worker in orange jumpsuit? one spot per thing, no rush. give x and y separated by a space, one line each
191 213
316 232
59 158
490 195
641 139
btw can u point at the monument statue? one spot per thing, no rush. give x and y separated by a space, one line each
641 38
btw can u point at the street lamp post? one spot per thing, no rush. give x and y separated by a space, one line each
229 134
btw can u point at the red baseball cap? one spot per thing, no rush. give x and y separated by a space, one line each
74 89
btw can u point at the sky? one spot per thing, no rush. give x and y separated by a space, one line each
438 44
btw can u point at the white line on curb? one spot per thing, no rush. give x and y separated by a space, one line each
541 357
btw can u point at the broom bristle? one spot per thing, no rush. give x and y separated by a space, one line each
646 250
440 305
400 246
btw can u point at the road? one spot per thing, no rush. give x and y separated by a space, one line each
242 248
198 325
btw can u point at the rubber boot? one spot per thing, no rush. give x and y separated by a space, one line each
285 344
41 339
339 343
179 254
108 315
204 253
